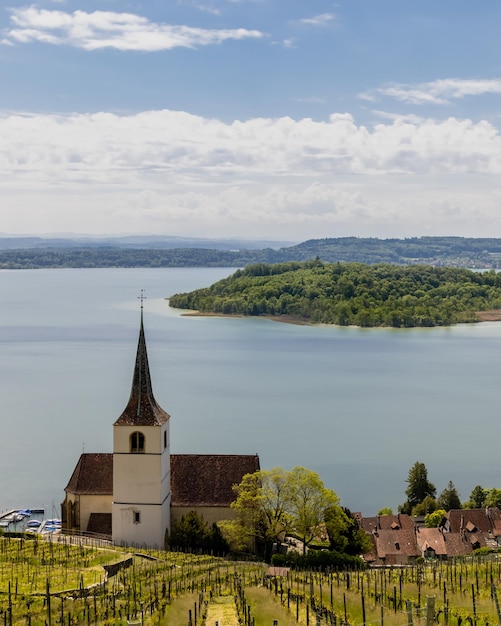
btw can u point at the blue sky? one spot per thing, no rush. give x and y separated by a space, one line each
280 119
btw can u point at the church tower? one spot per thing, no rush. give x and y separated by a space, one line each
141 462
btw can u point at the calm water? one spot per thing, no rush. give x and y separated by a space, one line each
358 406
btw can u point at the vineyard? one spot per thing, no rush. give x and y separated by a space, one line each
64 581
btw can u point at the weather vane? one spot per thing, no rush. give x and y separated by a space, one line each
142 297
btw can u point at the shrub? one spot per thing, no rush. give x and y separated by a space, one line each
319 560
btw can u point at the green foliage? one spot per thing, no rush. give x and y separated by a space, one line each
493 498
31 253
385 511
428 505
319 560
192 533
345 535
262 506
350 294
270 504
477 498
419 488
485 550
432 520
449 498
309 503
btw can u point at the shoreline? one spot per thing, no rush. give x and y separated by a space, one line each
493 315
274 318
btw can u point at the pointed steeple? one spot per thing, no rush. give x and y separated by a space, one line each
142 408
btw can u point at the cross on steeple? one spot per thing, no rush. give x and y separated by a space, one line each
142 297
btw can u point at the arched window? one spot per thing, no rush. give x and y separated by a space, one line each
137 442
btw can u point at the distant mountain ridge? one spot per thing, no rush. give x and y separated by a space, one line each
159 251
134 241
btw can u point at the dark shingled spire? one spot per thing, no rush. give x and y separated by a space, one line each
142 408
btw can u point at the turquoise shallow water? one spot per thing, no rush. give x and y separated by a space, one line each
359 406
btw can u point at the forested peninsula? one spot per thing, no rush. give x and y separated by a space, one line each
350 294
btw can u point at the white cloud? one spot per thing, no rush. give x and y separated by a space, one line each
170 171
318 20
286 43
440 92
105 29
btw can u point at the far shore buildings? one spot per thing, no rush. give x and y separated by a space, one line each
399 540
136 494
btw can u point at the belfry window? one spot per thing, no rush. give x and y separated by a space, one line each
137 442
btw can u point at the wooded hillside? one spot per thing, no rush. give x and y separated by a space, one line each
33 253
351 294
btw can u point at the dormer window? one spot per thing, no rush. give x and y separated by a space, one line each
137 443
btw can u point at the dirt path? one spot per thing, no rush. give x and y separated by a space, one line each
222 611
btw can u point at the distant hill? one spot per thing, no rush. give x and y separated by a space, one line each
142 251
156 242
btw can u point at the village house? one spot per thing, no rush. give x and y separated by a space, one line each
399 540
137 493
393 538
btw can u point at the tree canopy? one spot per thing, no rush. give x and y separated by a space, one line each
477 498
272 503
192 533
345 535
432 520
449 498
418 490
350 294
493 498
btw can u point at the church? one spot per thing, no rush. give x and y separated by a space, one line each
136 494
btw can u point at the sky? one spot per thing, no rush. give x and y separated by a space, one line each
257 119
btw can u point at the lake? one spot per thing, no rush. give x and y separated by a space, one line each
359 406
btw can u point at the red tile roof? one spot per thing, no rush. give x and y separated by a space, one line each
387 522
399 543
456 545
469 519
207 479
93 475
196 479
431 538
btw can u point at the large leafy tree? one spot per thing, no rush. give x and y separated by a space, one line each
270 504
310 501
419 487
262 506
449 498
